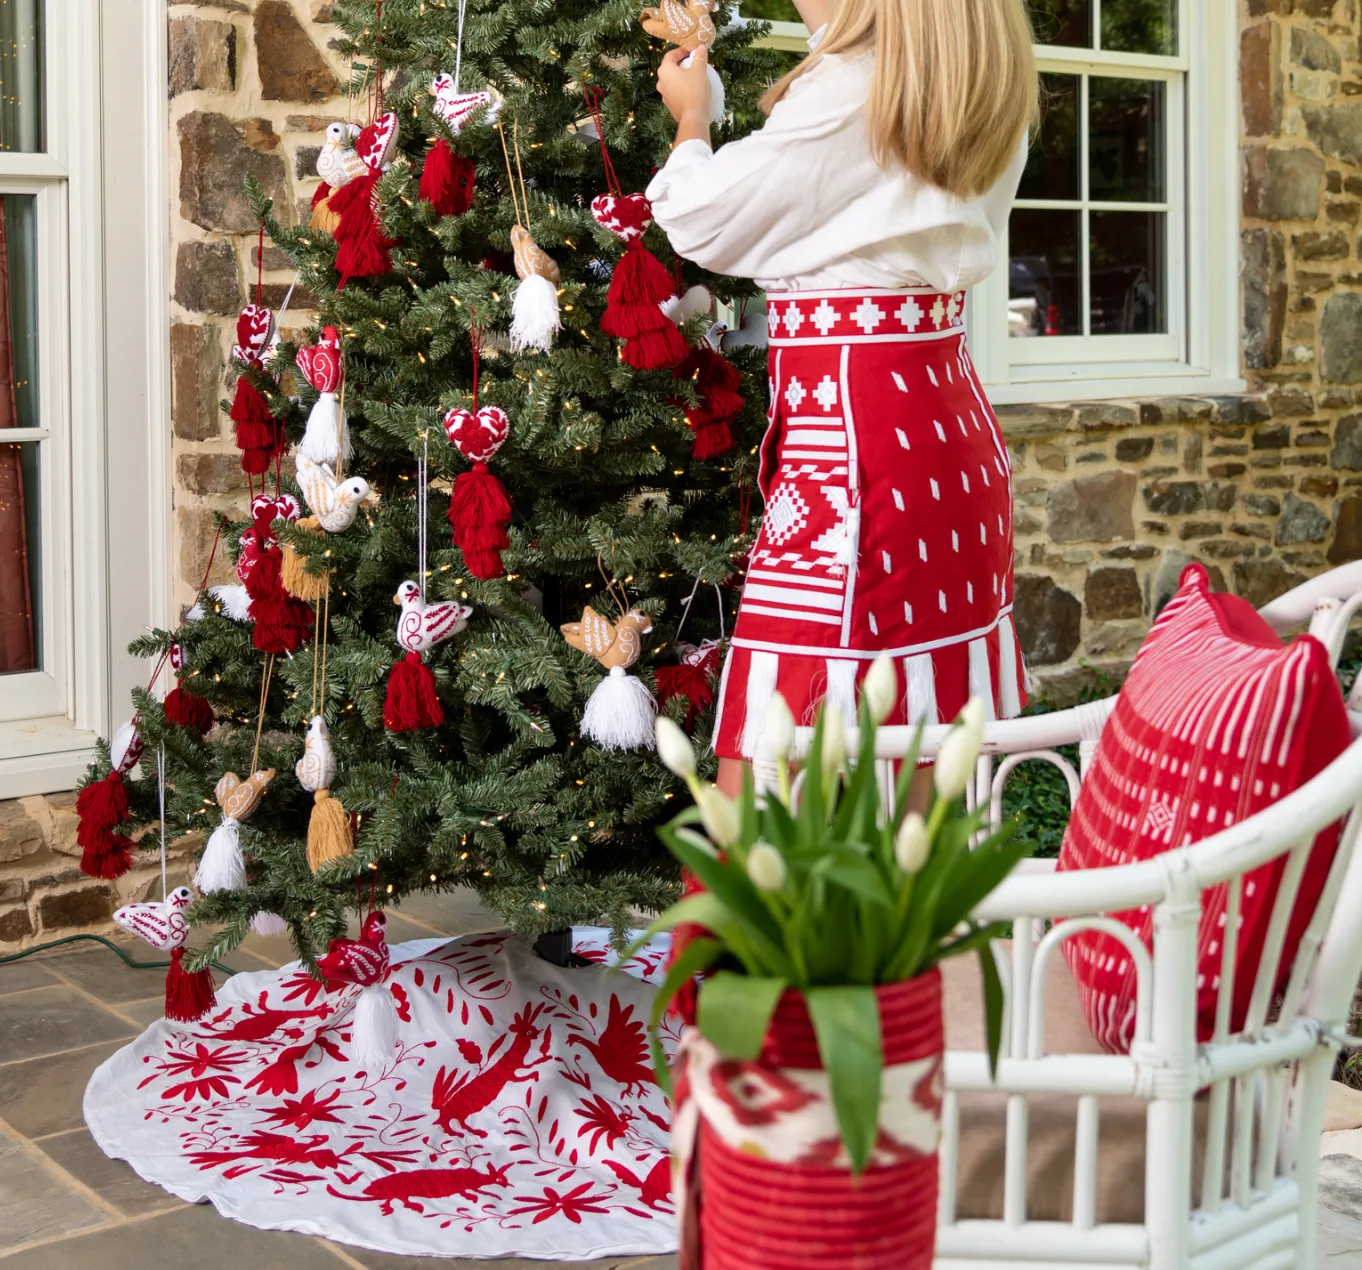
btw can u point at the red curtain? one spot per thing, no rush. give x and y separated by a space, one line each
16 593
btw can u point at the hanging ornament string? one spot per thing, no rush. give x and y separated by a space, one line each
690 599
522 218
614 588
161 799
593 97
266 674
458 45
421 501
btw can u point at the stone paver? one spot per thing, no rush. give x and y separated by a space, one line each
64 1205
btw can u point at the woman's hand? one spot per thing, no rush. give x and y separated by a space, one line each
685 92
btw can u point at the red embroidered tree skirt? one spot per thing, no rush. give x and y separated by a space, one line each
518 1117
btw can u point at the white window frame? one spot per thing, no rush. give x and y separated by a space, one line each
1200 355
103 368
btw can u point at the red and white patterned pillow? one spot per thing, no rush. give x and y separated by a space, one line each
1216 721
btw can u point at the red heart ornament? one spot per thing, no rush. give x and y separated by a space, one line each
626 216
253 330
377 143
266 508
320 362
477 436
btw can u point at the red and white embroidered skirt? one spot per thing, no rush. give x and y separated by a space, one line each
888 521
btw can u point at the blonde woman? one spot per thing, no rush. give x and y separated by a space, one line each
868 204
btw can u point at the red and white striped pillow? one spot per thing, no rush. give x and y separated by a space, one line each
1216 721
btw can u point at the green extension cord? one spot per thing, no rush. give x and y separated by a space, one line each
108 943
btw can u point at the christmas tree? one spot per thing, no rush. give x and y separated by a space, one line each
613 487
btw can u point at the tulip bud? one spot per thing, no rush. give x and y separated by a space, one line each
719 814
880 689
834 750
766 867
673 748
780 728
955 763
911 845
972 717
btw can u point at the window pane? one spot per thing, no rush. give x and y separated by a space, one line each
1126 156
20 637
1042 274
1140 26
1066 22
1052 166
1128 271
21 61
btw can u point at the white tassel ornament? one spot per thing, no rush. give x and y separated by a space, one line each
266 924
222 867
621 714
535 319
373 1028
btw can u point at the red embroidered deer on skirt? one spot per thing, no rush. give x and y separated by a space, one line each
888 520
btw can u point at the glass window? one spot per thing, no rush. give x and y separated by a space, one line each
20 537
21 61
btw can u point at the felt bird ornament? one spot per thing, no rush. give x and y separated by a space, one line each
621 713
534 308
258 434
337 165
412 702
222 866
163 926
362 247
328 829
365 961
689 26
334 503
102 805
447 178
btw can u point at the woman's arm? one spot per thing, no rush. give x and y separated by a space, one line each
685 93
815 13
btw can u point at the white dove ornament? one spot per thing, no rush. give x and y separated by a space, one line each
162 924
334 503
338 163
423 625
317 768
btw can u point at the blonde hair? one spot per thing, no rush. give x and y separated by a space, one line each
954 86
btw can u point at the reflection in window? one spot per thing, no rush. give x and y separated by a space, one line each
1125 140
1044 287
1063 22
1052 166
1127 263
20 632
21 49
1140 26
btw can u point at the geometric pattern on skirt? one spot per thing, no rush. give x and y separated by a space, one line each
888 519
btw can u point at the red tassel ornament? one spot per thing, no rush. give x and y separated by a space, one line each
362 247
716 386
447 180
189 996
479 514
258 434
639 285
281 623
690 682
186 710
103 805
411 703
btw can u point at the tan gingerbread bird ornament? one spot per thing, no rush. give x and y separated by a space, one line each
688 25
223 867
621 713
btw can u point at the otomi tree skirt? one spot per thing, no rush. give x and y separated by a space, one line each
518 1118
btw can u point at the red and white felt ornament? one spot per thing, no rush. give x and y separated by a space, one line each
258 434
365 961
620 714
479 508
362 245
182 707
412 702
281 623
189 996
693 677
639 287
447 177
102 805
325 439
337 165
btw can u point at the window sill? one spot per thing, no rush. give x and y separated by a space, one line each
43 756
1078 383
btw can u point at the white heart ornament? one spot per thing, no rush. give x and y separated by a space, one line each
477 436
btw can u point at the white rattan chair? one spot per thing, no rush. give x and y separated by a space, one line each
1252 1205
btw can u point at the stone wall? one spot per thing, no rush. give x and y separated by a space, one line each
1112 498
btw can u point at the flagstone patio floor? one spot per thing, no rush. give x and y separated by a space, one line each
65 1206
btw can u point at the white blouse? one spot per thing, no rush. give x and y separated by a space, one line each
802 204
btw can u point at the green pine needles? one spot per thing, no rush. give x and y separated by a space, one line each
507 796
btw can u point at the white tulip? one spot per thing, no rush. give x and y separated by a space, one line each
880 690
972 718
673 748
834 750
955 763
719 813
911 845
780 728
766 867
